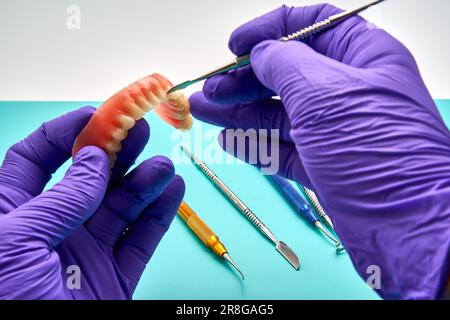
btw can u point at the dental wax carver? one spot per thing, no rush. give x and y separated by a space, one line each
358 126
78 225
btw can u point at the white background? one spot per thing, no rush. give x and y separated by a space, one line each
121 41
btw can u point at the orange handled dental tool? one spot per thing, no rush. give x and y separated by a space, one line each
205 234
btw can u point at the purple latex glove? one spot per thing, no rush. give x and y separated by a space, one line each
358 126
106 225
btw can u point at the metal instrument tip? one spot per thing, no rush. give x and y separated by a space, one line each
337 243
339 249
325 232
288 254
227 257
180 86
172 90
189 153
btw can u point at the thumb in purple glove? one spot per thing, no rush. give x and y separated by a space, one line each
105 228
29 234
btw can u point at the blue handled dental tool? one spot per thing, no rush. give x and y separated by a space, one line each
315 204
301 206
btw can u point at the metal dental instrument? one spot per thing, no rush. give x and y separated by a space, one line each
302 207
205 234
312 198
304 33
282 248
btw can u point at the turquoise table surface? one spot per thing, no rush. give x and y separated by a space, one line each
182 268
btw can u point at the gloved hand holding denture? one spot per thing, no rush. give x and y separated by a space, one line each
98 225
357 125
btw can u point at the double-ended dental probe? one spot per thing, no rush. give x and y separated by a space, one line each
302 34
281 247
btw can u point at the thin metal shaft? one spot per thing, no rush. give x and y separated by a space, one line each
227 257
327 23
230 194
304 33
328 221
325 232
282 248
339 248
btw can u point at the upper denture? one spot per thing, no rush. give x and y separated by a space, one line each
110 123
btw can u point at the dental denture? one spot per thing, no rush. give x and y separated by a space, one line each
111 122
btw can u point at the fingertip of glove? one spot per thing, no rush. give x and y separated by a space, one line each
234 43
94 156
132 146
177 189
211 87
179 183
142 128
79 117
150 178
259 49
164 166
165 208
196 99
267 26
63 130
198 102
88 177
86 110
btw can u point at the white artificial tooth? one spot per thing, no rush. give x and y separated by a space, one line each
186 124
126 122
180 115
119 134
162 95
176 106
153 99
173 100
174 95
167 86
145 104
178 101
113 147
135 111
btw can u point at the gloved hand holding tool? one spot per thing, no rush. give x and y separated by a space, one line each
104 225
357 126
